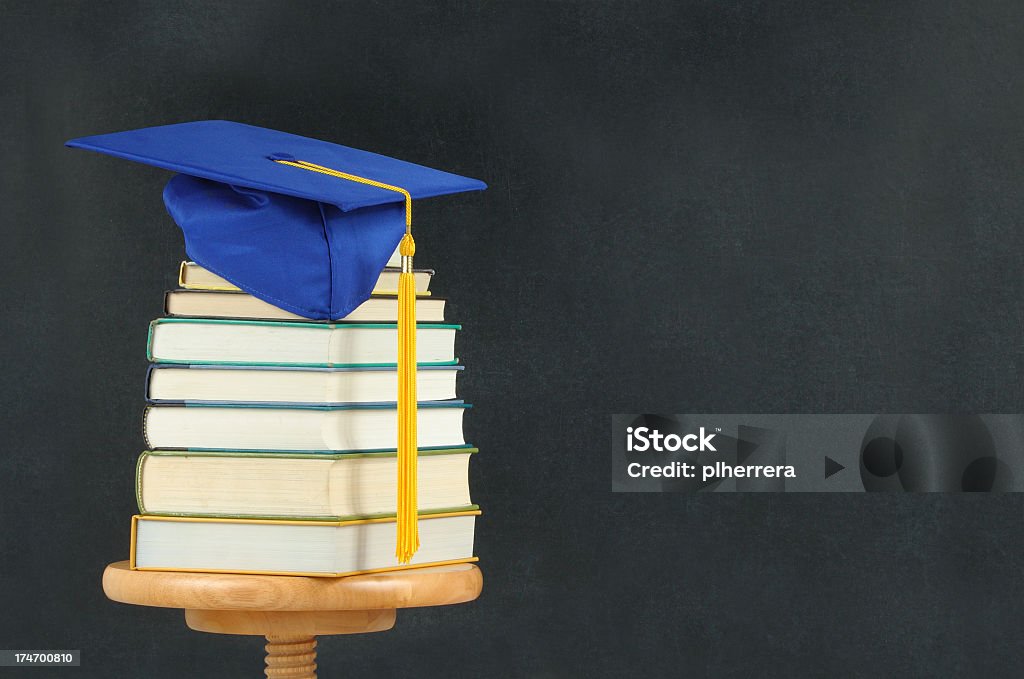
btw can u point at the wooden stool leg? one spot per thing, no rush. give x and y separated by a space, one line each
291 657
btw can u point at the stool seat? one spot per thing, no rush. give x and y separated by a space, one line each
290 611
431 586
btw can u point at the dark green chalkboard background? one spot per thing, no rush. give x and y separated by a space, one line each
694 207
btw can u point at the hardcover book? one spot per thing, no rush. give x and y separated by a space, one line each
295 485
215 341
279 547
300 428
227 304
172 383
192 276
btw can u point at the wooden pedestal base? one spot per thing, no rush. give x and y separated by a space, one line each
292 611
289 623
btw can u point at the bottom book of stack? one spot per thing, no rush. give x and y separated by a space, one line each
278 547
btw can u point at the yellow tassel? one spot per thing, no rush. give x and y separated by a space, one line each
407 518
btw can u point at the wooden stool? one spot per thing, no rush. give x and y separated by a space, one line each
291 611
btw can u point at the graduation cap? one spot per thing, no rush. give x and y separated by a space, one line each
303 224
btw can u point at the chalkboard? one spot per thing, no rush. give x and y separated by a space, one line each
742 207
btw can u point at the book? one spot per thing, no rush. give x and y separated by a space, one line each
192 276
171 383
295 485
217 304
336 428
278 547
219 341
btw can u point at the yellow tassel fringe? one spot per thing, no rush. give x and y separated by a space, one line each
407 523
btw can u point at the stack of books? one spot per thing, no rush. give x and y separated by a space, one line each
271 438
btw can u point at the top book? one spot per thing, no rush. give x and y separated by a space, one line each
192 276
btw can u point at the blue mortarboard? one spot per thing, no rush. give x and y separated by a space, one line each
305 225
303 240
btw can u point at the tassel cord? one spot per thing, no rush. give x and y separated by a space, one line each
407 539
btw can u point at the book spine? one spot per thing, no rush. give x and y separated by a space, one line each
149 377
145 426
149 340
138 481
134 542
